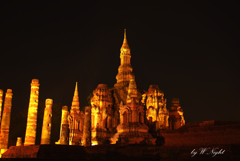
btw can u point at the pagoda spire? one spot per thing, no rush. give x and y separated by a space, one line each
76 90
125 68
125 49
75 102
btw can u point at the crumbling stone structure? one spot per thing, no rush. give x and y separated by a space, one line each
156 111
101 114
5 122
122 114
19 141
1 101
176 118
30 135
47 122
64 130
132 129
86 139
75 117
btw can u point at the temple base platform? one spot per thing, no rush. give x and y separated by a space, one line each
71 152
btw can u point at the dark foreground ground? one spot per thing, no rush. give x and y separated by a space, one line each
208 140
123 153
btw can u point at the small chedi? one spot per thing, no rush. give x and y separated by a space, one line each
123 114
75 119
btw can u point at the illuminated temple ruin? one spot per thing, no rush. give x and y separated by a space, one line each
123 114
127 114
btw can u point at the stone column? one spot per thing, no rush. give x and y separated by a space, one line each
19 141
30 135
1 100
64 127
86 139
6 121
47 121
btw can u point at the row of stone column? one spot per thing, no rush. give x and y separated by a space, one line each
46 127
31 120
30 135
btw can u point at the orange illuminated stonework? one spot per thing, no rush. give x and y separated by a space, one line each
86 139
64 129
123 114
157 113
176 118
102 114
1 101
75 121
120 89
19 141
5 122
47 122
132 129
125 68
32 114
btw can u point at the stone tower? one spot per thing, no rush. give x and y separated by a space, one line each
30 135
47 121
86 139
64 129
132 129
157 113
102 114
176 119
120 89
125 68
74 118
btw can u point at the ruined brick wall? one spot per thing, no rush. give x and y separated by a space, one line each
203 134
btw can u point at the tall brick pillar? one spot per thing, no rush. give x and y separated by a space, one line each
30 135
5 124
1 101
64 130
47 122
86 140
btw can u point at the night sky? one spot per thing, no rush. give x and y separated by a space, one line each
190 50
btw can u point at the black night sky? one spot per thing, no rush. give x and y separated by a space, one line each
189 49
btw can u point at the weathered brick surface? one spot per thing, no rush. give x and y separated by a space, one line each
178 146
209 134
203 135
